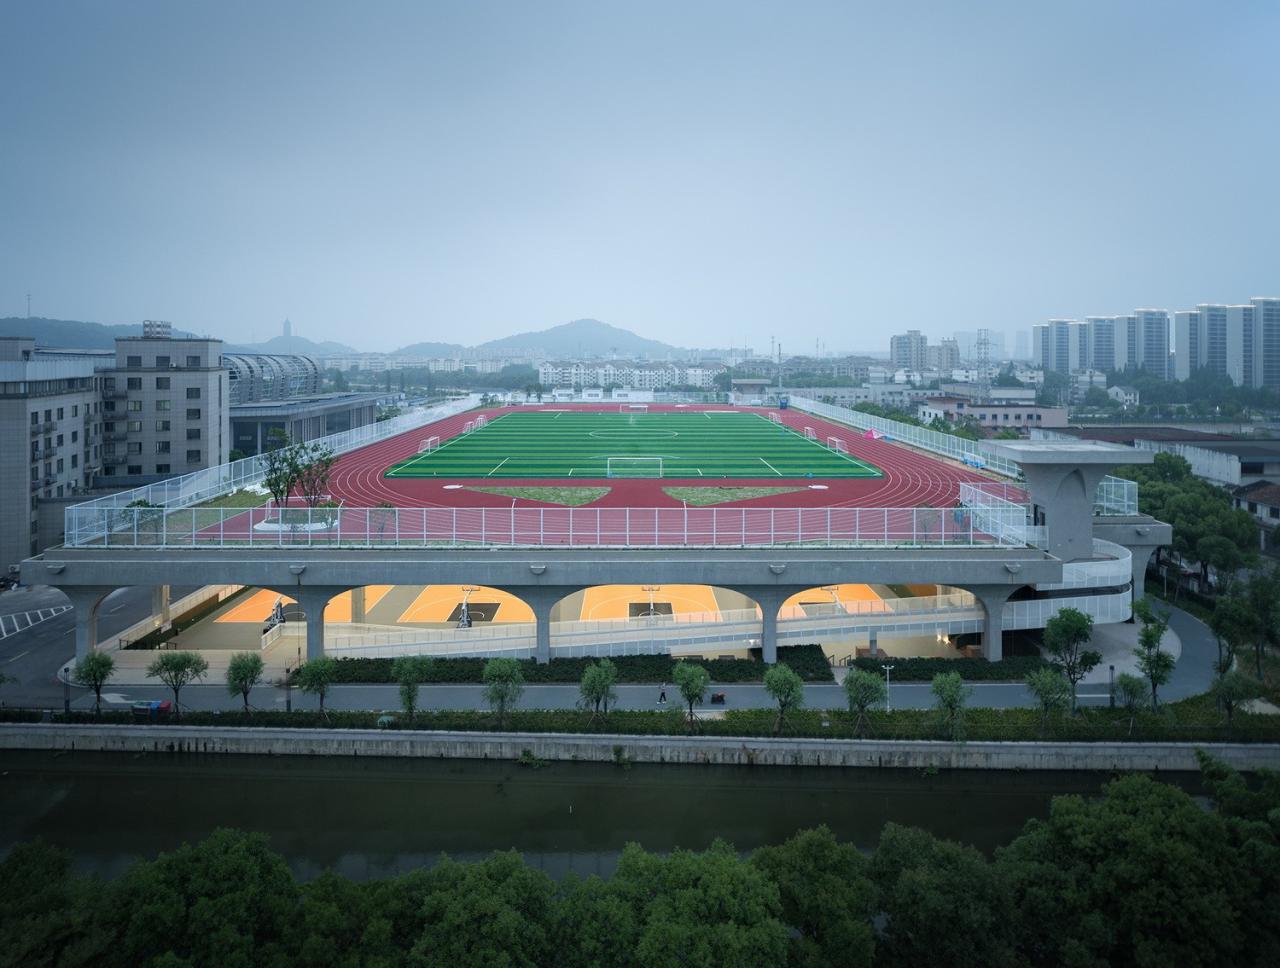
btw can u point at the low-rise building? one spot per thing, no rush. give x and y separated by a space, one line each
992 416
1126 396
1261 499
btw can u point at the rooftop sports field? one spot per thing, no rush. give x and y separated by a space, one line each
577 444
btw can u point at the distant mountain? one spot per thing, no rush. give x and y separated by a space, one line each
70 333
293 344
430 349
584 337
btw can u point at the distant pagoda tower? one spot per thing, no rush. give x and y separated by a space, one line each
288 328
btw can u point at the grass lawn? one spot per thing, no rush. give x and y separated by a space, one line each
695 444
705 496
568 496
237 499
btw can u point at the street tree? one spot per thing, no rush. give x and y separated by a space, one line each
410 671
1066 636
863 689
692 680
93 672
1233 688
1263 595
786 687
597 687
1131 691
279 467
1154 663
1052 691
176 670
1234 627
503 686
316 676
949 697
244 671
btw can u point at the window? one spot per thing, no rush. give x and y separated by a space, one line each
193 393
1253 507
75 436
193 413
162 446
134 383
61 467
162 362
162 383
75 460
162 468
162 426
1273 512
135 468
193 457
75 410
193 433
133 362
162 404
135 406
59 413
109 406
108 472
59 440
134 426
193 361
35 417
135 447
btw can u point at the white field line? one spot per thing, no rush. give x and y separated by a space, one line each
770 466
497 465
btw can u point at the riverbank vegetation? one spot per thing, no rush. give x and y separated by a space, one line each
1142 874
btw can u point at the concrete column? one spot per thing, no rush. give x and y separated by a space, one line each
160 603
542 599
992 598
313 601
1141 558
357 605
86 599
770 599
875 644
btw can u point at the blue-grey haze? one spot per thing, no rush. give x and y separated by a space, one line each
706 173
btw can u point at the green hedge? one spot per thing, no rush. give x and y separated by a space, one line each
1190 720
1013 669
809 662
21 715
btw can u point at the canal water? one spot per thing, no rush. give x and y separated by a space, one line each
376 817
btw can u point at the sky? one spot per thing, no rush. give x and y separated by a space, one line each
704 173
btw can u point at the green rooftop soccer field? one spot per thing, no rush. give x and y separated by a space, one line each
576 444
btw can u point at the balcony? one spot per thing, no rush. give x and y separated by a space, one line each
114 459
115 435
115 394
42 428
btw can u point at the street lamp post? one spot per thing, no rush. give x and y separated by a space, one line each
1111 687
888 704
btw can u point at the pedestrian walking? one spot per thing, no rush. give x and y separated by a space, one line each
662 695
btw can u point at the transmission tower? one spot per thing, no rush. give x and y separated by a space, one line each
984 365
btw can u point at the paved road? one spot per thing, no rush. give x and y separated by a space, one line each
35 655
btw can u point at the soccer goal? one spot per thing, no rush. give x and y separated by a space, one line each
775 418
633 408
633 467
481 421
836 444
810 434
469 426
428 445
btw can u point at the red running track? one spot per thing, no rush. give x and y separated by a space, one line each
910 479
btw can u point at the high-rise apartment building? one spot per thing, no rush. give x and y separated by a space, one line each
909 351
945 356
164 408
49 418
1153 341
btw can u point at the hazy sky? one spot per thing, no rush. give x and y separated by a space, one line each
703 173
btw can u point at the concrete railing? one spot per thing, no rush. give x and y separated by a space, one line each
1112 568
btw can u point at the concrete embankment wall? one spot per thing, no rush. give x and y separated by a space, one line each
641 749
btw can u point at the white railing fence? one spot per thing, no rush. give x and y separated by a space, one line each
677 527
1115 495
204 485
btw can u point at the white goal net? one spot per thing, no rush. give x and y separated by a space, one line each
633 467
836 444
481 421
633 408
810 433
775 418
428 445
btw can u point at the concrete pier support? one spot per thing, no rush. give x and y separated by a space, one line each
160 604
770 599
542 599
992 598
312 600
86 599
358 611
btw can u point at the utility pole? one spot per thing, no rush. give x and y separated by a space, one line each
28 305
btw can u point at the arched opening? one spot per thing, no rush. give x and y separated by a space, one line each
895 620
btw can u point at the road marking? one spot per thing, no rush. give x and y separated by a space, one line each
18 618
18 656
